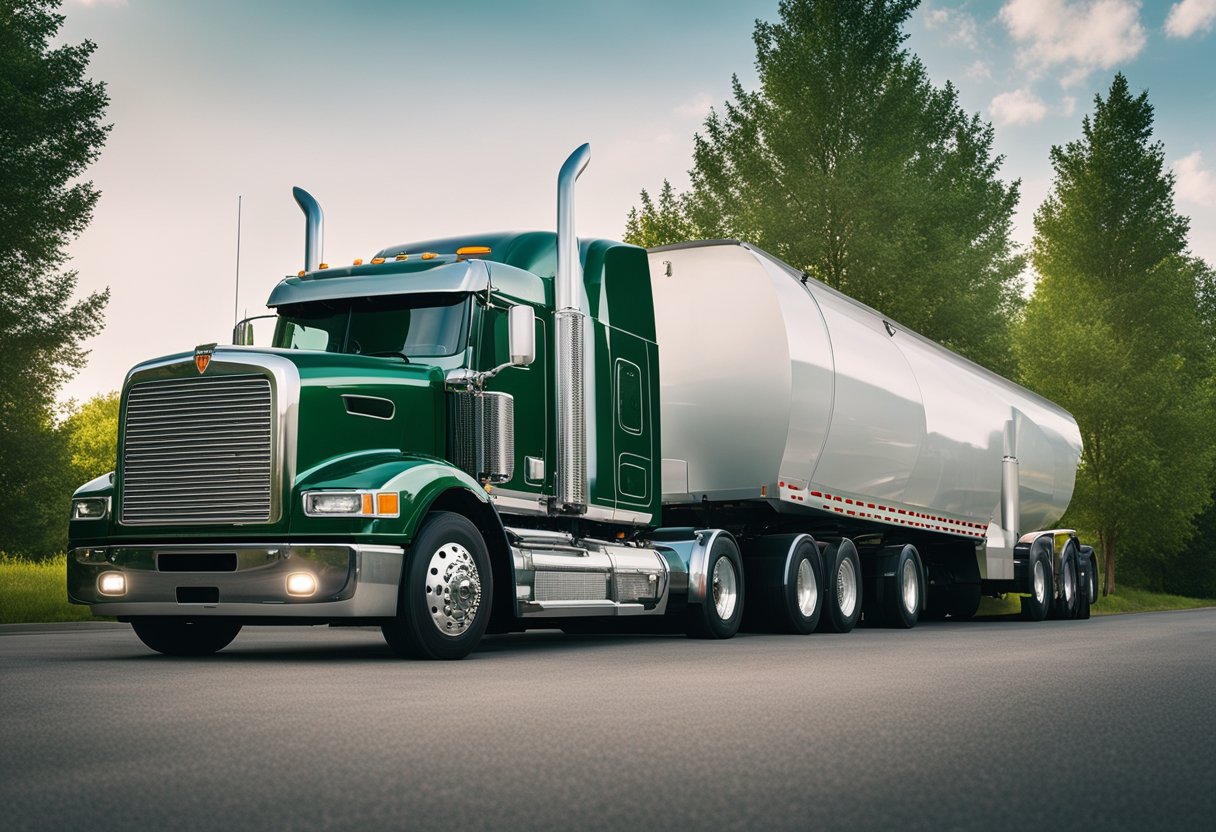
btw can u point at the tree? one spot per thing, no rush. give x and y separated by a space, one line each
1114 333
51 131
662 224
92 437
847 162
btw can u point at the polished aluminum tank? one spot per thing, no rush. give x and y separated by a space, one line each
779 388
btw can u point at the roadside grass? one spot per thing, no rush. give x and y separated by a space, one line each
35 592
1126 599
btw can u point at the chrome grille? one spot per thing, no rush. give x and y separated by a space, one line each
198 451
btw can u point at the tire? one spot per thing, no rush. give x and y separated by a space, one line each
963 601
797 597
447 589
842 601
1038 602
1092 585
1068 602
903 593
185 637
721 613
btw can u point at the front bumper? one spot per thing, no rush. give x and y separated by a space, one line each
239 580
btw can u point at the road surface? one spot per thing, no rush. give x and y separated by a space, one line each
1107 723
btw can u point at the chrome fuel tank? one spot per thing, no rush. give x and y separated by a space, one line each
779 388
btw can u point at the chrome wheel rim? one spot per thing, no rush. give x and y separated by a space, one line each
453 589
846 588
725 588
911 588
808 589
1040 582
1070 582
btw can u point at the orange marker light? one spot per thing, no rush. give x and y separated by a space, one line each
376 261
367 504
403 256
358 261
323 266
429 255
467 250
301 273
386 503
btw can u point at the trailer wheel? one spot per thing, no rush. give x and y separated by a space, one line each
1091 588
797 597
183 637
1065 606
447 588
842 602
721 613
1036 605
964 601
903 592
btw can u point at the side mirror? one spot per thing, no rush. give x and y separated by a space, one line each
521 333
242 333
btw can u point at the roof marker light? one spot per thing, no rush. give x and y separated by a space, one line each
358 261
323 266
376 261
468 251
429 255
402 256
301 273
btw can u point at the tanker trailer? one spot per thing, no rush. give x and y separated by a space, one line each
790 409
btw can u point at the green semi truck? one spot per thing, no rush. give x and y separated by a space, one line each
497 432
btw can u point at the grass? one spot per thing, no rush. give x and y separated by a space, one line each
36 592
1127 599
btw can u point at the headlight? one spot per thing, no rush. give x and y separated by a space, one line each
351 504
93 508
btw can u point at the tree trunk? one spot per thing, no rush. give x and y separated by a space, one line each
1108 552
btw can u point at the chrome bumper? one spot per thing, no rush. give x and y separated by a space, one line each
245 580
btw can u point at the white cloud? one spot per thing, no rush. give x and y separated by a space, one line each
1074 36
1190 16
960 27
1068 105
1017 107
697 108
1194 183
979 71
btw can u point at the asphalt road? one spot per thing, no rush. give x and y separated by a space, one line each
989 725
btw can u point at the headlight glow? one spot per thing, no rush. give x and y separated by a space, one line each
301 583
112 583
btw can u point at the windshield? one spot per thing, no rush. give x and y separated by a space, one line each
417 326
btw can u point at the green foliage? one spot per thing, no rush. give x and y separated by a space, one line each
92 436
847 162
1114 333
50 132
660 225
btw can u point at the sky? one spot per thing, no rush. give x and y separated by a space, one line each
413 120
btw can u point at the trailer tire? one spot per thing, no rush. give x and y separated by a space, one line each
1092 587
903 594
1036 605
964 601
184 637
447 588
1067 604
842 601
721 613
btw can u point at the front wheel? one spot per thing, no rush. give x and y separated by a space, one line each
183 637
721 613
446 590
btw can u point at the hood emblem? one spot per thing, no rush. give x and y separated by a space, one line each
202 356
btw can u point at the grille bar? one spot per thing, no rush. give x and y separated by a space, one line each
198 450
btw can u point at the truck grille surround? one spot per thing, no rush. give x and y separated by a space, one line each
198 451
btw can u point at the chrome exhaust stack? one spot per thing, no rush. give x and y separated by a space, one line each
569 364
314 228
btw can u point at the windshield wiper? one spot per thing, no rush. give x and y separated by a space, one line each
389 354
